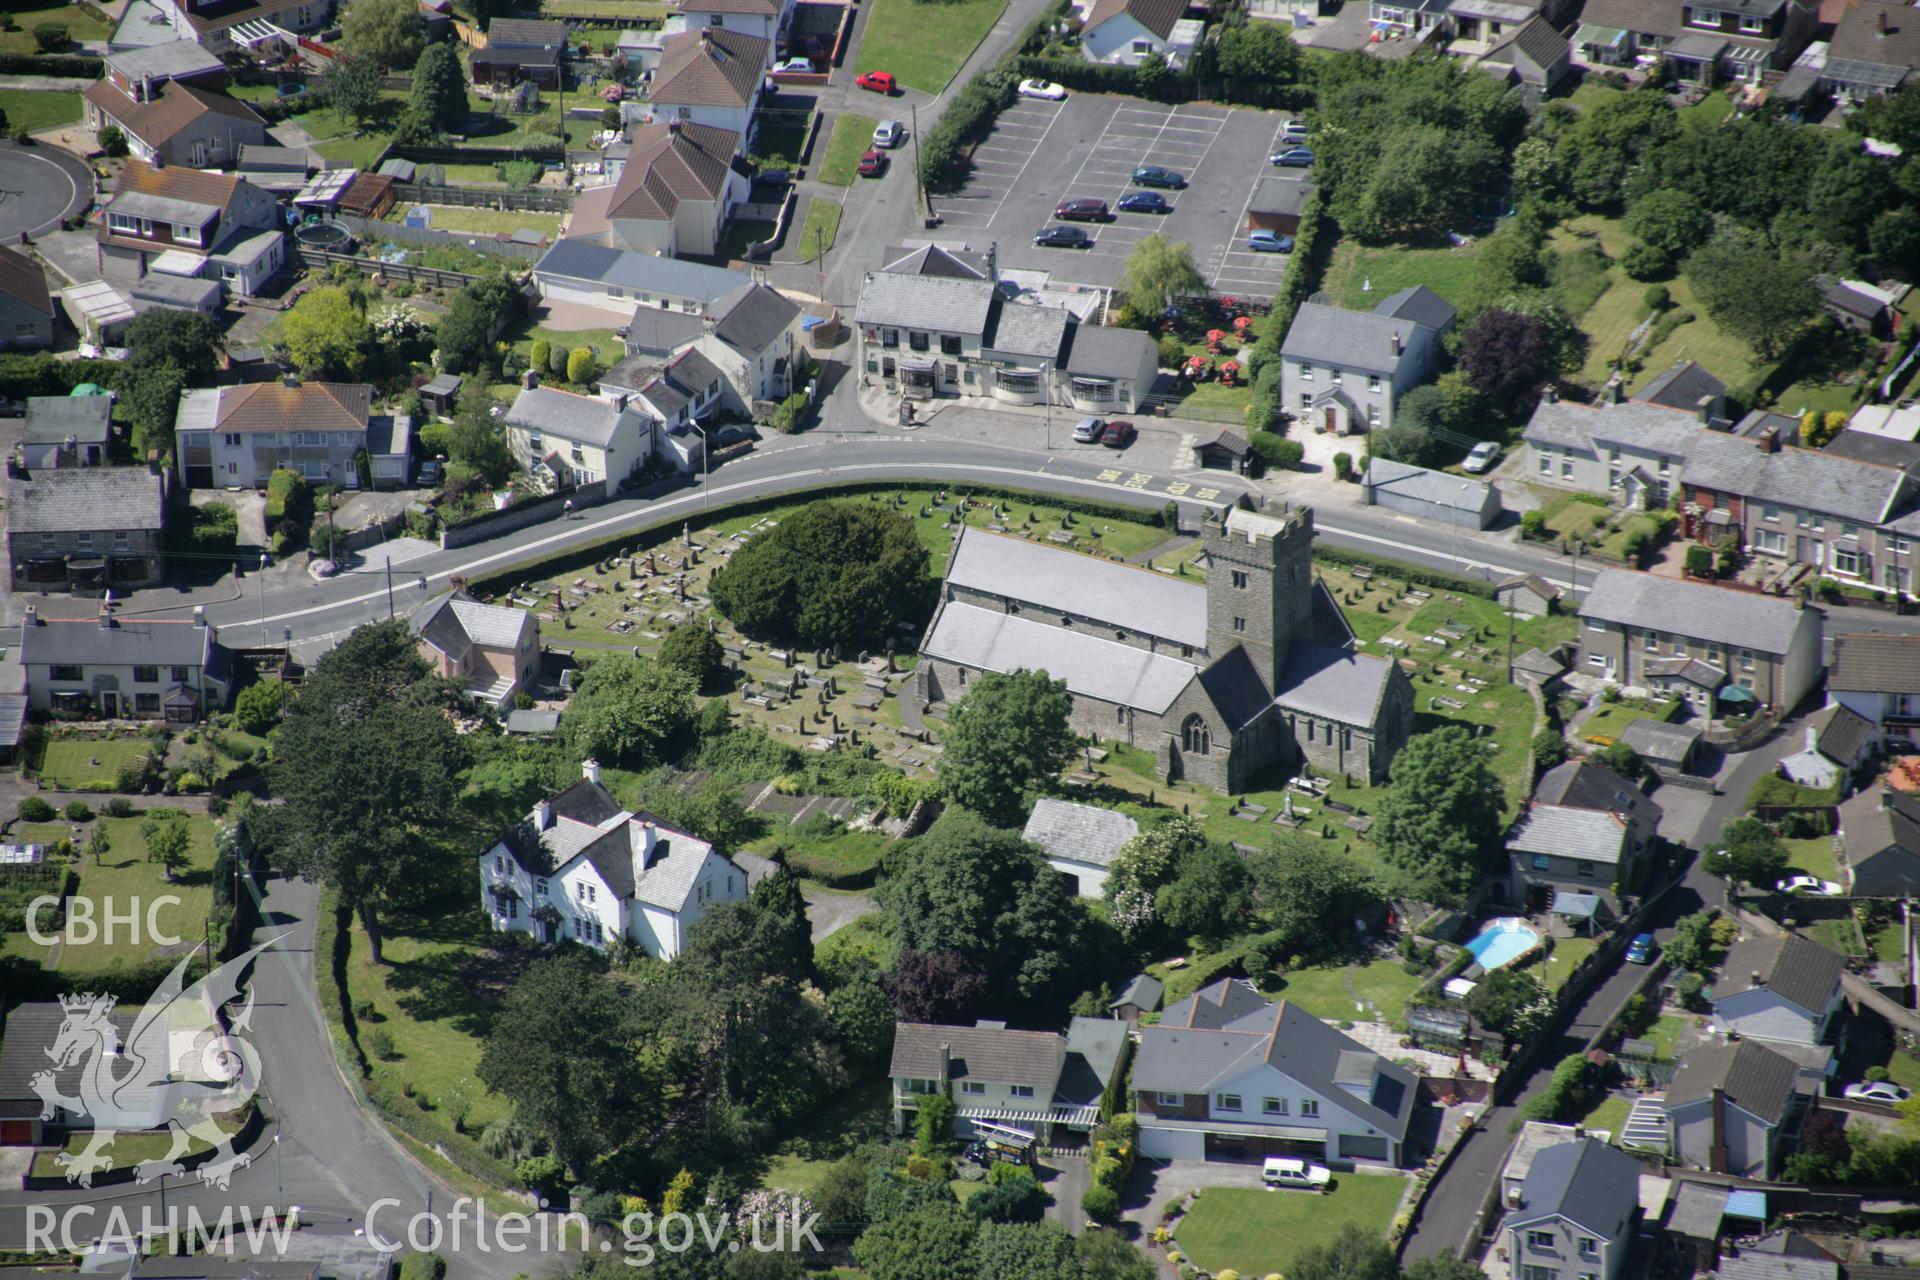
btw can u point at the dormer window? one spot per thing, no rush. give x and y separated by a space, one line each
186 233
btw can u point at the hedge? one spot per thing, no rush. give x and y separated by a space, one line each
1303 271
1775 792
73 65
211 530
1078 73
1402 570
970 117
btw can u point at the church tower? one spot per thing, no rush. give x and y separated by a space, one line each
1260 585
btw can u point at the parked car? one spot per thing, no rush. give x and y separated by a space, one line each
889 134
875 81
1063 238
873 164
1043 89
1293 158
1153 175
1811 885
1089 430
1118 435
1268 242
1082 210
1877 1091
802 65
1481 457
1291 1171
773 178
1143 202
1642 949
1294 130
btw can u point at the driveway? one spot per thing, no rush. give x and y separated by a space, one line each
831 910
1157 1183
74 255
1067 1178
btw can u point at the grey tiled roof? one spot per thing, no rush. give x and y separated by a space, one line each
1085 587
1078 832
1700 674
936 303
1682 387
569 416
987 1053
1587 1182
1418 304
1026 329
86 499
1864 446
1322 334
1334 684
646 272
1587 784
51 419
1728 617
1103 351
475 623
525 31
1538 41
1537 662
1533 582
1234 686
1439 488
987 640
1865 492
130 641
1753 1077
1592 835
750 318
31 1030
1841 733
1647 428
657 332
1774 1266
1870 662
1799 971
1216 1005
1144 992
1664 743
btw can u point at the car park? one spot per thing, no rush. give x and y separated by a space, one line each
873 164
1153 175
1813 886
1118 435
889 134
1063 238
1043 89
875 81
1089 430
1481 457
1642 949
1143 202
1877 1091
1081 209
1294 131
1293 158
1280 1172
802 66
1268 242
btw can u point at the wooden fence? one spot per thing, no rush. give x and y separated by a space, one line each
434 277
370 229
483 197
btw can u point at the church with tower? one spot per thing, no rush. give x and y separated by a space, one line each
1254 669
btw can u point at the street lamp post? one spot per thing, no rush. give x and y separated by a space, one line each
706 463
1458 508
263 598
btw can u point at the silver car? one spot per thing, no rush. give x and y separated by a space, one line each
889 134
1089 430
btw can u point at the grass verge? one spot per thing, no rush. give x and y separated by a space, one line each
850 139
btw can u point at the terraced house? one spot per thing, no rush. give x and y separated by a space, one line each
1843 517
1703 41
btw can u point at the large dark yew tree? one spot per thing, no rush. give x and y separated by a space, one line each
833 572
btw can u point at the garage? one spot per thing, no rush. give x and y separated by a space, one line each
16 1133
1243 1149
1226 452
1430 495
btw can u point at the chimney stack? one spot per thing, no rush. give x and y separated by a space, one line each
33 616
993 262
200 616
1717 1151
1882 16
291 381
1396 344
106 612
542 814
1759 978
1553 394
1616 389
590 770
530 379
1770 440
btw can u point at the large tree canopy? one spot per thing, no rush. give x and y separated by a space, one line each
1439 823
626 709
833 572
1007 737
1757 293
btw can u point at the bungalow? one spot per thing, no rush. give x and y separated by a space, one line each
1226 1074
1633 626
491 651
1878 677
1586 830
581 867
615 280
1126 32
1880 834
1345 370
1730 1107
33 1028
1080 841
145 669
183 222
519 49
1779 987
1840 744
26 304
1576 1205
176 122
1006 1082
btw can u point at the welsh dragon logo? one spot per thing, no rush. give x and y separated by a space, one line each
177 1069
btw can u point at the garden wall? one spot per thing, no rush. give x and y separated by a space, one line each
492 524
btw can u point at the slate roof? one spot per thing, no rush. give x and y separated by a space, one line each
1859 36
1864 446
1646 428
1660 742
988 640
86 499
751 317
1085 587
1693 609
1538 41
1647 17
1774 1266
1143 992
1078 832
1841 734
1588 784
1323 334
1333 684
941 304
1536 661
934 260
31 1030
711 67
1157 16
525 32
1871 662
647 272
146 641
1215 1005
1104 351
1864 492
1418 304
982 1052
23 280
1194 1059
1682 387
51 419
656 332
456 622
1799 971
1753 1077
1587 1182
1026 329
1592 835
164 116
1533 582
1233 685
668 163
568 415
1095 1047
1282 195
1874 820
1700 674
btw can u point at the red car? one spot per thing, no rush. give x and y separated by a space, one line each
873 164
1119 435
1081 210
875 81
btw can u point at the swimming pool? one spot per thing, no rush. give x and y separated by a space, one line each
1502 942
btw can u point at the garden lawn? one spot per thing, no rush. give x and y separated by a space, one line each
68 764
449 217
1382 983
126 881
1665 1034
1612 719
829 857
79 24
1361 275
1904 1070
1567 954
608 347
863 1114
39 109
128 1148
1813 856
1569 516
820 229
1609 1114
924 43
1258 1232
852 136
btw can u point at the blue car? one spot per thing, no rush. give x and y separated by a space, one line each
1293 158
1641 950
1268 242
